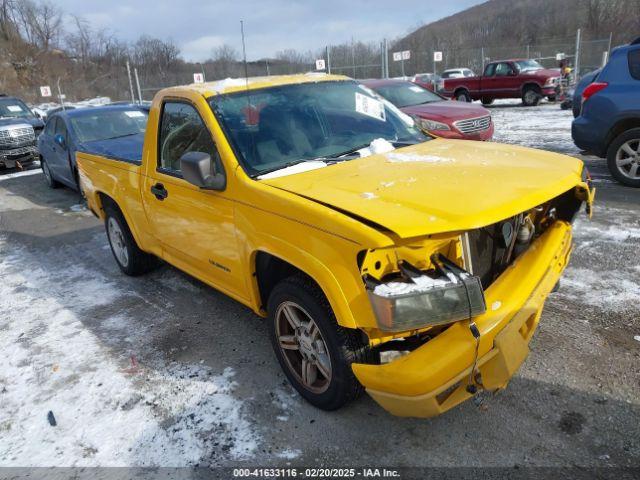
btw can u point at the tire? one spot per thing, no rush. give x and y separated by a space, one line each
530 97
331 382
131 260
48 176
622 163
551 98
463 96
486 101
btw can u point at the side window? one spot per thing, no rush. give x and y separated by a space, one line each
181 131
61 129
51 125
634 63
503 69
490 70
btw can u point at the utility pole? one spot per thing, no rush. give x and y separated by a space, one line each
133 99
482 58
576 66
60 95
609 48
266 62
385 48
135 72
528 52
328 49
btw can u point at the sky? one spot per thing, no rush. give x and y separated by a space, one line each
198 26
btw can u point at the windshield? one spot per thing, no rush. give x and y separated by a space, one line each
407 94
274 127
524 65
105 124
14 108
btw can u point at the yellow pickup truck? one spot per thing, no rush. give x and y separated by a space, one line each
384 260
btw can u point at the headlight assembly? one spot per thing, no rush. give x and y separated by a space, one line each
429 125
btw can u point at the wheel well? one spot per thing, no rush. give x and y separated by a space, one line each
106 200
460 90
621 127
270 270
531 86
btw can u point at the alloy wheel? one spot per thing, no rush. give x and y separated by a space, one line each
117 241
303 347
628 159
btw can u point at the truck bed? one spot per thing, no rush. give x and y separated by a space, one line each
125 149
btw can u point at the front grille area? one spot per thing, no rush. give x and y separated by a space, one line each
16 136
471 125
486 251
18 152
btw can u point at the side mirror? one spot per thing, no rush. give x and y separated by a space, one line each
199 170
59 139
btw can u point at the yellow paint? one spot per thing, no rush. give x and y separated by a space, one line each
313 220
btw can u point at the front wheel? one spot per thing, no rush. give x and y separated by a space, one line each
131 260
531 97
315 352
623 158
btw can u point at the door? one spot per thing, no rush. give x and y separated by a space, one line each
507 81
59 160
495 81
195 227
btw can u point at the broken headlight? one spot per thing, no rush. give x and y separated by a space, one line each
422 300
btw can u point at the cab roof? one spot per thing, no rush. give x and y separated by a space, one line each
231 85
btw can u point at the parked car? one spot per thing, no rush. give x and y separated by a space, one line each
435 114
426 80
609 121
584 82
454 73
320 206
520 78
94 129
19 128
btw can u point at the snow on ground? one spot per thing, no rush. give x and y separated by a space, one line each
545 126
110 410
595 279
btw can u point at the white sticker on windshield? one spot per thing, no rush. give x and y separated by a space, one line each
134 114
14 108
370 107
415 88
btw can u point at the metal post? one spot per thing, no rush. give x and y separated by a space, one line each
353 57
267 64
576 66
133 99
60 94
402 63
482 58
528 52
610 39
605 57
328 50
385 48
135 73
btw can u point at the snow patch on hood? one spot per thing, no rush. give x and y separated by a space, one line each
416 157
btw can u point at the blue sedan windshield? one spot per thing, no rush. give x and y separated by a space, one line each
104 125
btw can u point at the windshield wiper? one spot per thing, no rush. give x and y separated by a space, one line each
280 167
122 136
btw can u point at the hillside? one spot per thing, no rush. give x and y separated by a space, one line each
505 28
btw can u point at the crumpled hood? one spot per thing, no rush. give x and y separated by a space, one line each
438 186
123 148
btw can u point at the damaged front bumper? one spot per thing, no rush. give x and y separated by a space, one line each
434 378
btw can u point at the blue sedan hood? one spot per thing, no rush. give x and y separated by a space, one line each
122 148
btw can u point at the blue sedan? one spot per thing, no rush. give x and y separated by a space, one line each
93 130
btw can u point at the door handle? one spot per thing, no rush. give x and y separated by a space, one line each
159 191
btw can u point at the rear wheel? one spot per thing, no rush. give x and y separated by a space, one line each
463 96
551 98
623 158
315 352
131 260
486 101
531 97
48 176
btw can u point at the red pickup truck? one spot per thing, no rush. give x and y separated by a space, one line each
525 79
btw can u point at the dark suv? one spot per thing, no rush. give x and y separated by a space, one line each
609 121
19 129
